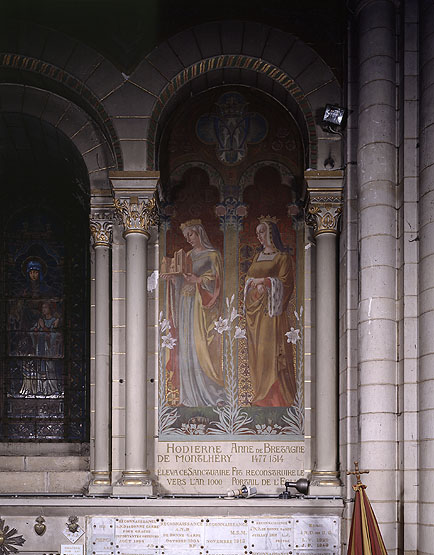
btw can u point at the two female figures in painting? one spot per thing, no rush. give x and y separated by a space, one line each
194 300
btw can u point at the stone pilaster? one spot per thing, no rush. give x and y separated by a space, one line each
323 212
136 206
101 229
425 517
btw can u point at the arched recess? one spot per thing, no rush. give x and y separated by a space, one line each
239 53
215 179
287 178
44 283
70 119
31 71
46 59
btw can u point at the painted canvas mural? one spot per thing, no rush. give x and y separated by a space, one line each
230 358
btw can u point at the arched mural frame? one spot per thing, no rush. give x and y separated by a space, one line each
214 63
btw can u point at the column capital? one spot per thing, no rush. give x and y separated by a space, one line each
135 199
325 200
101 226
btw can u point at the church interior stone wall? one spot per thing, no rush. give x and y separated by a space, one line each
186 149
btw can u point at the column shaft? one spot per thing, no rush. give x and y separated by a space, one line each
377 318
136 352
102 364
326 354
101 228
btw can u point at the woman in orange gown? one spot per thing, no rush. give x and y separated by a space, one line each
268 289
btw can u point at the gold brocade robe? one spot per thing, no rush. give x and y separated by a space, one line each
194 307
270 356
207 308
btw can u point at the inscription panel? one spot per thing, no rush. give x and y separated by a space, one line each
295 535
215 467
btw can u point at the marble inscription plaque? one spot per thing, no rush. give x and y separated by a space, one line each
223 535
138 534
317 534
215 467
71 549
270 536
103 536
295 535
179 535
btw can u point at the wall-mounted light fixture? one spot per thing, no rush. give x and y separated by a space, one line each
334 118
301 485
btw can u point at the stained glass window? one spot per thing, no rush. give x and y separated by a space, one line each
44 319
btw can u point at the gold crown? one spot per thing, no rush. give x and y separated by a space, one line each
190 223
271 219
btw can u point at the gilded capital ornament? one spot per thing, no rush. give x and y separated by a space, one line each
323 211
101 231
137 216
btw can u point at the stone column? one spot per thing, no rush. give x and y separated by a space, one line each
101 229
377 315
425 517
324 209
138 213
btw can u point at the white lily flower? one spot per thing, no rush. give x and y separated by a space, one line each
164 325
234 315
240 333
292 336
168 341
221 325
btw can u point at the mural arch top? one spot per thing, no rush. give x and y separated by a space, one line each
277 63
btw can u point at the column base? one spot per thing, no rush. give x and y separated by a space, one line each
134 483
100 483
324 482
